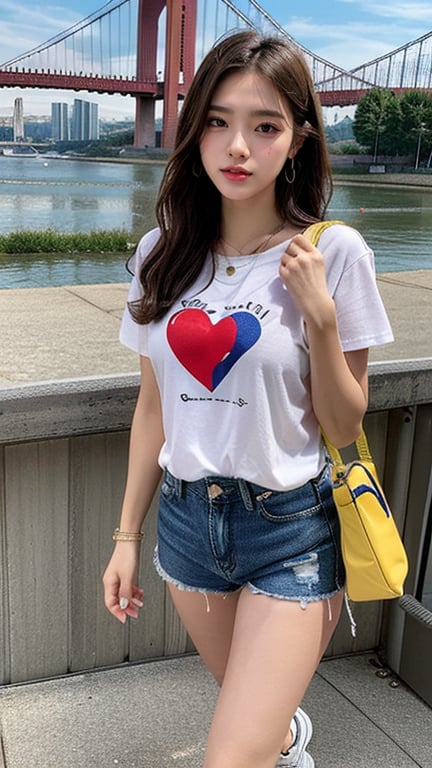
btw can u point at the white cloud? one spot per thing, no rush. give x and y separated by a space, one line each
351 44
416 12
23 27
43 16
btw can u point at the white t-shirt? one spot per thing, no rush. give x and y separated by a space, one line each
231 361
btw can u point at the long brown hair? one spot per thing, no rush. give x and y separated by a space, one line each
188 207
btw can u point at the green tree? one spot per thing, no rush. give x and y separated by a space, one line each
392 132
416 123
375 113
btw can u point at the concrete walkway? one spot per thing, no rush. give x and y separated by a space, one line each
72 331
156 715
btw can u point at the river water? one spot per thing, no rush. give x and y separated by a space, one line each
78 196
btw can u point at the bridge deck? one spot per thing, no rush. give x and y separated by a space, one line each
83 82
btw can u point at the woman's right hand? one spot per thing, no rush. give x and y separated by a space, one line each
122 595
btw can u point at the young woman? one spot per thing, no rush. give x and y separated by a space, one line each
250 338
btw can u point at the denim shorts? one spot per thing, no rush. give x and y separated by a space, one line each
219 534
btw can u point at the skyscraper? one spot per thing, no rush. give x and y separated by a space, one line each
85 120
60 121
18 120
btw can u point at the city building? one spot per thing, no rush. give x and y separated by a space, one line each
18 120
60 130
6 129
85 120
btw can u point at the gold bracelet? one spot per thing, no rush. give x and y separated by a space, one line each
119 535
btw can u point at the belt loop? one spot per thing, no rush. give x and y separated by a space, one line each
179 486
176 483
246 494
322 476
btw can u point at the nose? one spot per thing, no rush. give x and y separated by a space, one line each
238 146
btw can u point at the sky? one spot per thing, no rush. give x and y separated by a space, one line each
346 32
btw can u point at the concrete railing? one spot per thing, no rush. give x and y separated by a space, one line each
63 454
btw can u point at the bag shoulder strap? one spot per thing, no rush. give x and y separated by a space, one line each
361 444
314 232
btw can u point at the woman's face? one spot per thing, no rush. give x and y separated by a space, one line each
248 137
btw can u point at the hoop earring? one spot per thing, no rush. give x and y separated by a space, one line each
290 179
195 172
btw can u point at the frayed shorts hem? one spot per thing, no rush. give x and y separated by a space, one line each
302 599
187 587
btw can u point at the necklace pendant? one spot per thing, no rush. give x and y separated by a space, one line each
230 270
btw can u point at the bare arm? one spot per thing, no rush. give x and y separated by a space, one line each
338 381
146 440
120 577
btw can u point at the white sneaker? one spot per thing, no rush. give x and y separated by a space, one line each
297 757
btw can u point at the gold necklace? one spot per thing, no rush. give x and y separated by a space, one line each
230 269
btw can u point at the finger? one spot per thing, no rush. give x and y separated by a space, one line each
289 257
110 592
117 602
121 609
132 608
303 242
125 592
294 250
120 615
112 605
138 603
130 601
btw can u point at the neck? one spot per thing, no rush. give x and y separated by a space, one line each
243 230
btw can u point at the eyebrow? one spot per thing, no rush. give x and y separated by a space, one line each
254 113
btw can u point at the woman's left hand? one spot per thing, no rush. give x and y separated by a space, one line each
302 270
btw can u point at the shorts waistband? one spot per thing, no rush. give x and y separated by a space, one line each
250 492
216 485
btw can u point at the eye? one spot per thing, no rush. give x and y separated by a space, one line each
267 128
216 122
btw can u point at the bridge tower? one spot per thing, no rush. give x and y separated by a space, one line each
18 120
179 64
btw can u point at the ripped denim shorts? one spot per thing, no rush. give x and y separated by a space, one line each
219 534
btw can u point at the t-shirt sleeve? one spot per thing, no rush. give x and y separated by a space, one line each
132 334
350 265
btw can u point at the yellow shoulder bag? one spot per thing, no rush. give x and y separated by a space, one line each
374 556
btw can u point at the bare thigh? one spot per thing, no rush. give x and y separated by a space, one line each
276 647
263 652
209 620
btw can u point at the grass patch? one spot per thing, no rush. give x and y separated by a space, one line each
50 241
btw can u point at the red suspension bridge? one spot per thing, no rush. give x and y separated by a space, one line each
149 49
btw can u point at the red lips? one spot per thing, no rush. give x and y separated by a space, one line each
235 173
